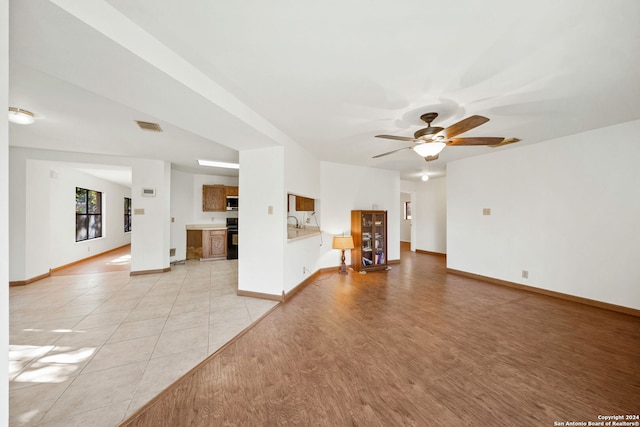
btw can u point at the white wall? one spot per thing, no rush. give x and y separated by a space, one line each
150 236
4 216
346 188
43 216
565 210
302 177
150 252
430 215
181 211
302 172
38 231
261 233
17 215
59 192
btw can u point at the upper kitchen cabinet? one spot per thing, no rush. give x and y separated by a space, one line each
214 198
305 204
232 191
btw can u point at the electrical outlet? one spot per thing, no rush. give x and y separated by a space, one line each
525 274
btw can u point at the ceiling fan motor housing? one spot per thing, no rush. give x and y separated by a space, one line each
430 131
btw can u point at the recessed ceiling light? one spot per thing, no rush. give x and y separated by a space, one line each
21 117
215 164
425 177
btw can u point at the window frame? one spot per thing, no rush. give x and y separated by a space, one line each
86 219
127 215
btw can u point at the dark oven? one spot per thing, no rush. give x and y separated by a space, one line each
232 238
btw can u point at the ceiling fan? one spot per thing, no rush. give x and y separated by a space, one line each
432 140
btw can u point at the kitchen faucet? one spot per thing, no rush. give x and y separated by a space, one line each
296 218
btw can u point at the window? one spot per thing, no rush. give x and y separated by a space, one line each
407 210
127 214
88 214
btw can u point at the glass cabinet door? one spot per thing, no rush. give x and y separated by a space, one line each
368 256
379 240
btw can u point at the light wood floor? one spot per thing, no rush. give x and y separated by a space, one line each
413 346
116 260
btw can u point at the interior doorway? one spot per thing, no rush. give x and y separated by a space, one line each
406 218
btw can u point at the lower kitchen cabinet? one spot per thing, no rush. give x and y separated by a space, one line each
214 244
207 245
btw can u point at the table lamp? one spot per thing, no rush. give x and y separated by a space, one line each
342 243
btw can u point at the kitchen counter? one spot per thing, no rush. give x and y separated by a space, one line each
294 233
206 226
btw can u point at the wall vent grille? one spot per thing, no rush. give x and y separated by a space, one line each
152 127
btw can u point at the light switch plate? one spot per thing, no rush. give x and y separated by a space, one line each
270 210
139 211
486 211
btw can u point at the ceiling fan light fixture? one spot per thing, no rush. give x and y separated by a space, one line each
20 116
429 148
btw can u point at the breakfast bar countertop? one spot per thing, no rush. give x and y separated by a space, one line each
206 226
294 233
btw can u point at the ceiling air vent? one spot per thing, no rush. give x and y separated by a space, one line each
153 127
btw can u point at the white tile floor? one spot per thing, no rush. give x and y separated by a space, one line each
90 349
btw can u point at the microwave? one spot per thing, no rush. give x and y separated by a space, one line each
232 203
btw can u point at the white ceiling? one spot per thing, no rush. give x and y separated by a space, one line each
226 76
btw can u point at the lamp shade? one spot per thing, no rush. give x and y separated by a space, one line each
429 148
342 242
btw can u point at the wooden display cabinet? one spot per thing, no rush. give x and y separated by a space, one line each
369 232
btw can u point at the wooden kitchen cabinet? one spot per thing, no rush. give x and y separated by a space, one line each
305 204
369 232
231 191
214 198
214 244
194 244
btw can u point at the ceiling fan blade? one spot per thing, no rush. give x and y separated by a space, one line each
506 141
483 140
399 138
431 158
464 126
391 152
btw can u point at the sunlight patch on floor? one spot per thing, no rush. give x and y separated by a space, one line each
125 259
54 365
26 417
